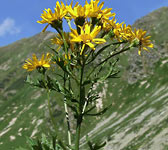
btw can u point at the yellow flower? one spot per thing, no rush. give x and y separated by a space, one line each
126 32
123 32
78 12
105 14
67 8
142 39
117 31
59 41
87 37
94 11
33 64
49 17
109 24
93 7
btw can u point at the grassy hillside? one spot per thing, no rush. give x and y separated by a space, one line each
138 119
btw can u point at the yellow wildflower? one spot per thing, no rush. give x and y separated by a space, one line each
117 31
66 8
33 64
59 41
105 14
94 11
142 39
123 32
87 37
49 17
126 32
78 12
93 7
109 24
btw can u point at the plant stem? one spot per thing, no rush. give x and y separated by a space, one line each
67 116
78 134
123 50
68 123
81 100
95 67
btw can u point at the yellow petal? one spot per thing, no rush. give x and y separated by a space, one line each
46 65
45 28
91 45
151 45
99 40
95 31
82 49
139 51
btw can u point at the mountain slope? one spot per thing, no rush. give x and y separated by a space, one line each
138 118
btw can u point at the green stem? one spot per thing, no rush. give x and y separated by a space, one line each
50 111
95 67
123 50
78 134
68 123
65 43
67 115
81 100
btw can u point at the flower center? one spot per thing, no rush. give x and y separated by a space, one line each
86 38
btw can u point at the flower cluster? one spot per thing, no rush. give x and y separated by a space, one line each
84 57
93 25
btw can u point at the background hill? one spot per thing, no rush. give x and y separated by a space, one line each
138 119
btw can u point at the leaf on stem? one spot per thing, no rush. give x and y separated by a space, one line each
99 113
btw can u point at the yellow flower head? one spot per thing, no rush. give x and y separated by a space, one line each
33 64
105 14
49 17
126 32
143 40
68 8
123 32
78 12
109 24
95 11
87 37
59 41
117 31
93 7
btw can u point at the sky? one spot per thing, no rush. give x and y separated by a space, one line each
18 18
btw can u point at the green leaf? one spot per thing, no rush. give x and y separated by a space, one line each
89 110
101 112
99 146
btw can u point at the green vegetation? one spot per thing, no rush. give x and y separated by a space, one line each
138 118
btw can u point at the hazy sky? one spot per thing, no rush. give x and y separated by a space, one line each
18 17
